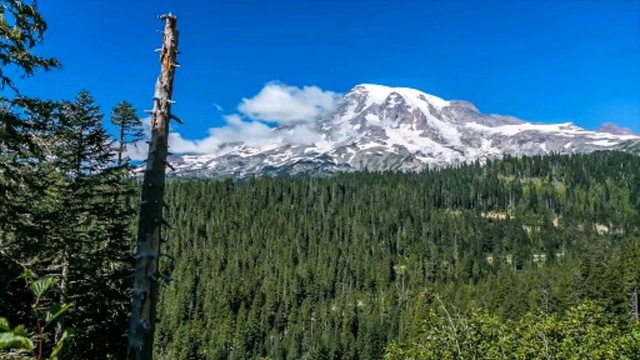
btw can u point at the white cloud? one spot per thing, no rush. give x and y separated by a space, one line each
277 103
282 103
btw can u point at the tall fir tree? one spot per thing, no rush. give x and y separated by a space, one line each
23 183
93 239
62 199
129 127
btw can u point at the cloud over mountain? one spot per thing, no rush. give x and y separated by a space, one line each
282 104
373 127
296 107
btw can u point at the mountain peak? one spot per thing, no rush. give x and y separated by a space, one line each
612 128
377 127
379 93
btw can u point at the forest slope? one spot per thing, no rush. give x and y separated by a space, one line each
336 268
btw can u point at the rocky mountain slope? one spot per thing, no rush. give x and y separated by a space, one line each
378 128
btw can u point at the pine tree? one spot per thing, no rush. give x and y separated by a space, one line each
93 239
27 208
130 131
21 28
69 223
57 214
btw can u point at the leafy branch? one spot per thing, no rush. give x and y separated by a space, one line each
18 340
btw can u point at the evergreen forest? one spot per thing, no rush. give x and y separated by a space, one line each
519 258
348 266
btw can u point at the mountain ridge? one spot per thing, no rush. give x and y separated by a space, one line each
378 128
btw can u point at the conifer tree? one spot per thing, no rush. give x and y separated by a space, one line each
129 126
23 182
92 247
21 28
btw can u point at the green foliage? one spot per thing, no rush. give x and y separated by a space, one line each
129 126
70 218
582 332
55 312
40 286
65 208
45 313
57 349
21 28
295 268
14 339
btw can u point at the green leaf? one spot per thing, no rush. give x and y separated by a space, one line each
39 287
12 341
19 330
27 274
4 324
56 350
55 311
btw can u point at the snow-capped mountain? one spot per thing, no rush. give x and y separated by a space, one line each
378 128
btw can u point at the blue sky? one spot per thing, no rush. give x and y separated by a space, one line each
540 60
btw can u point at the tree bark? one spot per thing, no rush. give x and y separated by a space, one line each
64 290
150 221
121 146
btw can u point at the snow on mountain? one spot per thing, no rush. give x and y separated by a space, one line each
377 127
615 129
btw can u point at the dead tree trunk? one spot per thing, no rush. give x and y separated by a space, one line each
151 220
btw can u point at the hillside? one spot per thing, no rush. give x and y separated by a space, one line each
339 267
